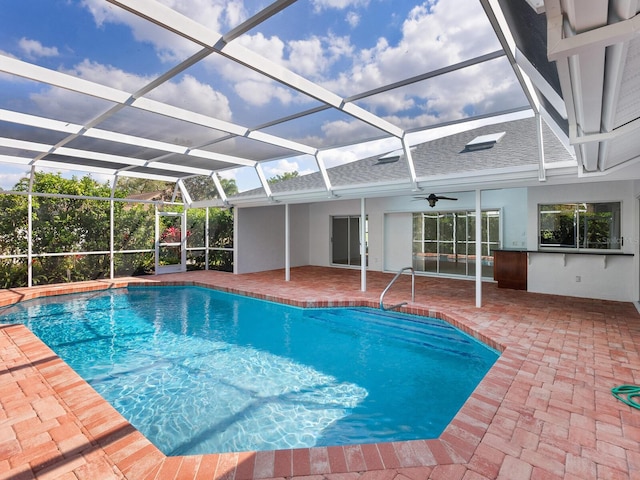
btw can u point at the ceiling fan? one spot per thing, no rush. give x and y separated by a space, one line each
432 199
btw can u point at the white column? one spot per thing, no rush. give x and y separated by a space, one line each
206 239
30 229
235 240
363 246
183 239
157 240
287 245
478 248
112 263
111 240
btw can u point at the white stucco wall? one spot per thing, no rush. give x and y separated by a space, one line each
260 243
395 214
320 227
260 238
592 276
390 223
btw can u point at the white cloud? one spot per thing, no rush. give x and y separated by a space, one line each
353 19
280 167
320 5
434 35
35 49
169 46
187 92
108 75
11 175
342 155
194 95
258 93
307 57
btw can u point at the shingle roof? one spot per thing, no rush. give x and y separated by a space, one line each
443 156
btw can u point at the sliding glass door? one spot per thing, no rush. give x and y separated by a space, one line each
345 240
444 242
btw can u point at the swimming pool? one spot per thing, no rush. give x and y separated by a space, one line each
214 372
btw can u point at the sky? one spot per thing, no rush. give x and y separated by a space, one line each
346 46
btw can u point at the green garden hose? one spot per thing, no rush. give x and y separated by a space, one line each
627 394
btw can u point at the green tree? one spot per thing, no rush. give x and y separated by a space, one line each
130 186
283 176
71 225
202 187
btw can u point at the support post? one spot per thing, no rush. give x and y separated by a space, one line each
287 245
363 246
478 248
112 229
206 239
30 229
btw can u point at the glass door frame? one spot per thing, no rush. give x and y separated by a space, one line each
160 245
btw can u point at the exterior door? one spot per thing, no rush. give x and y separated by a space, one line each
345 240
171 237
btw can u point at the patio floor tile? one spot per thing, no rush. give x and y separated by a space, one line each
544 411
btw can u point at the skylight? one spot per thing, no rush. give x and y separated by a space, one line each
483 142
390 157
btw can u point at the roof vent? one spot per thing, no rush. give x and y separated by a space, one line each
483 142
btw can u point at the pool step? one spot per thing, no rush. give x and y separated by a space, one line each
424 331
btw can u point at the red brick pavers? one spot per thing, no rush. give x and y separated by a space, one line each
544 411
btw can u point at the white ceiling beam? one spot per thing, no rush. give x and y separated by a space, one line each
221 193
189 116
150 176
409 158
541 84
323 171
186 197
257 19
267 138
264 181
69 82
561 46
167 18
39 122
22 69
65 127
176 22
501 28
14 160
578 36
252 60
101 157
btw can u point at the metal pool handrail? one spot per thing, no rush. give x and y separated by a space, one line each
413 289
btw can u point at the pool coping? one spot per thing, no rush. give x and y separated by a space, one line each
134 457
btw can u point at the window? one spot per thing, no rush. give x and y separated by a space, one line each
580 226
345 240
444 242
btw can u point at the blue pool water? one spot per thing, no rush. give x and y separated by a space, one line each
201 371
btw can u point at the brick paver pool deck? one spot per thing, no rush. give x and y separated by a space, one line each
544 411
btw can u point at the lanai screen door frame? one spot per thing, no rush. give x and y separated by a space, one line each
161 246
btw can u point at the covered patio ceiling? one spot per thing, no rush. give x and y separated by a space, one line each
248 90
